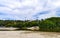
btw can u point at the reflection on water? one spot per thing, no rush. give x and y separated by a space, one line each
28 34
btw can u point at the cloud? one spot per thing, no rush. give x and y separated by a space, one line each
29 9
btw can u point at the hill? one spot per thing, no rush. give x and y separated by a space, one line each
49 24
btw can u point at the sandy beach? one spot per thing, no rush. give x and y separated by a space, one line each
28 34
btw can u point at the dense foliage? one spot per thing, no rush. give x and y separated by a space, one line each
17 23
49 24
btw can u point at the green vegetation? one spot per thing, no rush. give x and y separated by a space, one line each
50 24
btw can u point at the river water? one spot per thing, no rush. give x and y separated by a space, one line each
28 34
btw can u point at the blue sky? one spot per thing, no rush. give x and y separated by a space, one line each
29 9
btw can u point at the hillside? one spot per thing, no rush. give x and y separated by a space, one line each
49 24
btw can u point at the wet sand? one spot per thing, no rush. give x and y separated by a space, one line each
28 34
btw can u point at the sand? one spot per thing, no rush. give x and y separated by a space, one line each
28 34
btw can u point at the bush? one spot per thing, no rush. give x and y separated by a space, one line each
49 25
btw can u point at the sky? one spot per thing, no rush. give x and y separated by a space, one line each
29 9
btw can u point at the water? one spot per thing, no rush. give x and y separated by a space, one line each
28 34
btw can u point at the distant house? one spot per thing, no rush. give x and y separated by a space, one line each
33 28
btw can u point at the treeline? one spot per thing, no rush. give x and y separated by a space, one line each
49 24
18 23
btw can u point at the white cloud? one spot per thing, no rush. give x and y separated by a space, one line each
19 9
